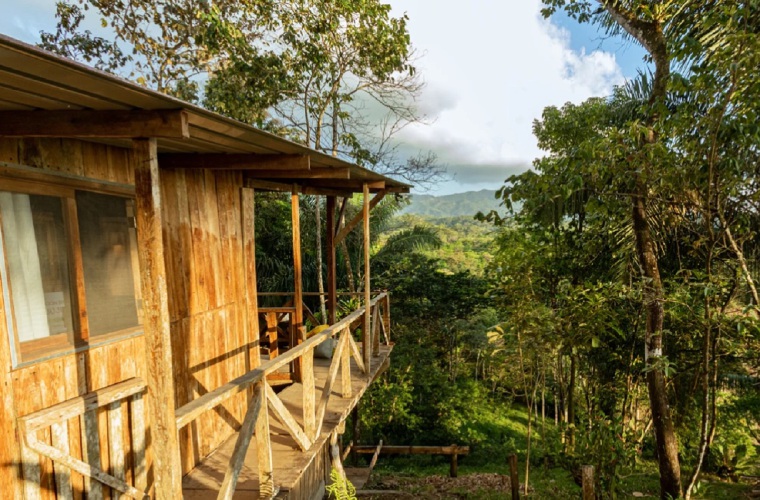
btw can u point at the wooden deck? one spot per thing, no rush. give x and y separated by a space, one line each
291 465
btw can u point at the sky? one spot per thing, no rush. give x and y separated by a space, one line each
490 67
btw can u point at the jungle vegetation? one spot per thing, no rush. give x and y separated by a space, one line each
612 312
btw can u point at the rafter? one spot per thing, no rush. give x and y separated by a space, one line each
221 161
355 185
314 173
95 124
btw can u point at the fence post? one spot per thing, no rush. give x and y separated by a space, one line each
514 480
454 460
587 481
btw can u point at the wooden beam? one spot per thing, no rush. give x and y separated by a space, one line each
413 450
235 161
81 404
95 124
350 225
247 217
297 323
366 331
345 365
211 399
355 185
373 462
314 173
167 466
10 453
227 489
323 191
332 374
269 185
286 418
266 185
264 447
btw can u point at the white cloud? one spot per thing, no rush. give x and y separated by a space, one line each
498 64
491 67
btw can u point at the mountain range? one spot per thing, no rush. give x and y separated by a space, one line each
453 205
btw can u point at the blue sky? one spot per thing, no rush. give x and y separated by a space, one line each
490 68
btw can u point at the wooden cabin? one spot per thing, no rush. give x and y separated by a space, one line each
130 354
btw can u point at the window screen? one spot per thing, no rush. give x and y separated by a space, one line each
109 255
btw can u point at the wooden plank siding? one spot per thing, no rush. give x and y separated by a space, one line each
203 237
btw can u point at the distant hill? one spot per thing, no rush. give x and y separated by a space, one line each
453 205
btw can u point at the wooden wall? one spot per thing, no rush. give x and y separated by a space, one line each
203 238
206 299
45 383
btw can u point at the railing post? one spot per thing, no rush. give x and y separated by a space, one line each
376 329
264 445
387 316
309 397
345 364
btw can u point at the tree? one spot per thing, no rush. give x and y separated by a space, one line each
173 46
645 22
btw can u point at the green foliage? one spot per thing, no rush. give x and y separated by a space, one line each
340 488
303 69
465 244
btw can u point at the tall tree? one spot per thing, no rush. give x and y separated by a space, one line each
645 22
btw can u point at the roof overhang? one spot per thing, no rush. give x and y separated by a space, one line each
45 95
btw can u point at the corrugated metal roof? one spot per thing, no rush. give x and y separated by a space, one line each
34 79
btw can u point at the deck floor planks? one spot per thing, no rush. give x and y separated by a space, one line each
289 462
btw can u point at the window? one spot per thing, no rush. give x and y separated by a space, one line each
69 267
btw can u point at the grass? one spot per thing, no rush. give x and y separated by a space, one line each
502 430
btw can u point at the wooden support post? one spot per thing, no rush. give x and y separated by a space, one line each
10 455
345 365
167 466
587 482
454 462
297 316
356 433
264 447
247 216
271 320
367 338
309 396
376 330
387 317
514 480
332 285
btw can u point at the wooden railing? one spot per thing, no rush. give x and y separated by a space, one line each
84 407
256 421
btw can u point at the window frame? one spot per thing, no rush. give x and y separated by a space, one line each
65 188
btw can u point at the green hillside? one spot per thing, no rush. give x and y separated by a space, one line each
453 205
467 243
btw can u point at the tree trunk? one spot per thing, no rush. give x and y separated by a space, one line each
667 444
570 444
649 32
320 280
